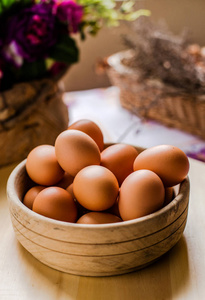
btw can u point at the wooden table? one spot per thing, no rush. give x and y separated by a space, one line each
179 274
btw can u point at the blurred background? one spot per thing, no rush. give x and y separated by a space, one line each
178 15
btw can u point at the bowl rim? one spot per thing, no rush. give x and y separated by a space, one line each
12 196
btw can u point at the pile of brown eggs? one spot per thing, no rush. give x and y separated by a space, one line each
80 180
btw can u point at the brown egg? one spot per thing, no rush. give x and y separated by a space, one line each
31 195
81 210
98 218
92 129
141 193
76 150
168 162
70 190
114 210
56 203
169 195
119 159
95 188
42 165
65 181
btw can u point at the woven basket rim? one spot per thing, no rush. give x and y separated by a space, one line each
115 61
123 71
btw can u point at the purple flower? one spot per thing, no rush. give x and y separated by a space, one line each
11 54
1 61
199 154
70 12
31 33
1 73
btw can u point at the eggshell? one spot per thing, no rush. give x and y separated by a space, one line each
141 193
169 162
42 165
92 129
76 150
169 195
98 218
56 203
31 195
119 159
81 210
70 190
114 210
65 181
95 188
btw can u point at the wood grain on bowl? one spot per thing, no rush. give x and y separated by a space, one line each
96 250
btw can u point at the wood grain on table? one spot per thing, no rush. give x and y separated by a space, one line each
179 274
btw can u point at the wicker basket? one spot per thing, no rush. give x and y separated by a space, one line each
152 99
31 114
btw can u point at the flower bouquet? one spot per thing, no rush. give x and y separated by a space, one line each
37 45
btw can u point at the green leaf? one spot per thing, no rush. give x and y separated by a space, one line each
31 70
65 50
4 5
136 14
98 13
7 4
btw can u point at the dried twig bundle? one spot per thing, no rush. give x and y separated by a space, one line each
158 53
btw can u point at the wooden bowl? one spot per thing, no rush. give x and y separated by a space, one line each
95 250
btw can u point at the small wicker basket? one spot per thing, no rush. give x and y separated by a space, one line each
153 99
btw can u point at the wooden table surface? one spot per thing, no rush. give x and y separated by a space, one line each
179 274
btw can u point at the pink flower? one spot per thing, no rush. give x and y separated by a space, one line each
57 68
70 12
1 72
